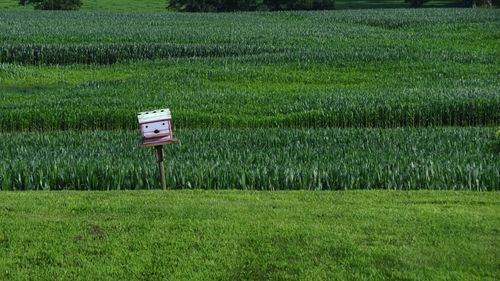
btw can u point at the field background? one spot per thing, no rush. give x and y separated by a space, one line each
398 99
243 84
160 5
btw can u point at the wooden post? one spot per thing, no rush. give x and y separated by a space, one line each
159 157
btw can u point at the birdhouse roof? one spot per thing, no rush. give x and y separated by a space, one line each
153 115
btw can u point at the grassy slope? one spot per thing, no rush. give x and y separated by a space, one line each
159 5
249 236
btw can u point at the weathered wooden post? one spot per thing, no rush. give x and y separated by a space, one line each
159 157
156 130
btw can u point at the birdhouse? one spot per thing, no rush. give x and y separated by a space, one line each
156 127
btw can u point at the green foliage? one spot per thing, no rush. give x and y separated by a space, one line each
248 5
481 3
290 69
53 4
416 3
159 5
465 3
112 53
257 159
297 70
283 5
77 108
496 142
215 5
281 36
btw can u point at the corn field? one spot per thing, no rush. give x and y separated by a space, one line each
256 159
344 37
326 100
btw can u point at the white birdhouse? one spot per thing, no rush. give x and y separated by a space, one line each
156 127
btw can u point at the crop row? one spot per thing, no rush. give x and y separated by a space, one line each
262 159
257 28
112 53
331 37
233 93
386 116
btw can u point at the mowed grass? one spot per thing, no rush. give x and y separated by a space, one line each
198 235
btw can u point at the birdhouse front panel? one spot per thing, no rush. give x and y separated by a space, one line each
155 127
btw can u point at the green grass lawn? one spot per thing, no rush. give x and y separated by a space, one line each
232 235
160 5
